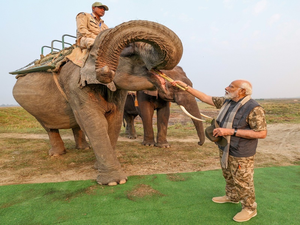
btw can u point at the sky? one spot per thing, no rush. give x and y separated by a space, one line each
223 40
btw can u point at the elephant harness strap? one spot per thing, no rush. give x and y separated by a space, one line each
55 75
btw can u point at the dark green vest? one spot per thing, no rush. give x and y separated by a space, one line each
241 147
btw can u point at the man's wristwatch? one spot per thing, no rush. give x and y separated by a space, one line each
234 133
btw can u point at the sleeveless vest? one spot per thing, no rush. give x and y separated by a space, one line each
241 147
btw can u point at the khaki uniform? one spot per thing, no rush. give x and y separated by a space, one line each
88 27
239 173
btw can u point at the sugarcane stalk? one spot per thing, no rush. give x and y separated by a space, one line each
168 79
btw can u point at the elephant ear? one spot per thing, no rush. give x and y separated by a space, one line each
166 44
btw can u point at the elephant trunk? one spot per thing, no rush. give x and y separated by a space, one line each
199 128
166 54
195 115
200 131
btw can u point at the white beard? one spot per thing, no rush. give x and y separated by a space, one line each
231 95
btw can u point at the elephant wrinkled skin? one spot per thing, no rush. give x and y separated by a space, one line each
147 104
122 57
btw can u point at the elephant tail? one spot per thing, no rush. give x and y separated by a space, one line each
124 122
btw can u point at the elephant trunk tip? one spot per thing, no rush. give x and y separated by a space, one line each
105 75
200 143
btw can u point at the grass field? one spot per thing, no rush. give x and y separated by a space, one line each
175 199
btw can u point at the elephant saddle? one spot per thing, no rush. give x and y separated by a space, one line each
54 61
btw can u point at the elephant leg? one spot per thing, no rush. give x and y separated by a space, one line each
146 110
114 124
163 115
103 135
57 145
130 129
126 127
80 139
147 117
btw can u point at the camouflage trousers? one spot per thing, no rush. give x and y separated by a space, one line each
239 180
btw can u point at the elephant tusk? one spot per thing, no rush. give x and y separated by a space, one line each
205 116
187 113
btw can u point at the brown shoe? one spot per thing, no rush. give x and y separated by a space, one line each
244 215
223 199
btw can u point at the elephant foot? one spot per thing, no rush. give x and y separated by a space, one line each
111 179
132 136
115 183
151 144
85 147
165 145
57 152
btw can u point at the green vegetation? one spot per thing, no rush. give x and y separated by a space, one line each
282 110
16 119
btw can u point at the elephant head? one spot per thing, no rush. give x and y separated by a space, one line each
184 99
147 45
150 101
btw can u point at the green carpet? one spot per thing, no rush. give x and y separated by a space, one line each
155 199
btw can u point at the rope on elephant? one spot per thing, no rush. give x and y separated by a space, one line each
58 85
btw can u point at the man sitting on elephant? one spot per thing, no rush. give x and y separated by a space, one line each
89 25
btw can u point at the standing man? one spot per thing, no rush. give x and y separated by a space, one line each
89 25
242 122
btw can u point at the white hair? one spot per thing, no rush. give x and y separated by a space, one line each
247 86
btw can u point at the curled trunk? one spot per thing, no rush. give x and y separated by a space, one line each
166 54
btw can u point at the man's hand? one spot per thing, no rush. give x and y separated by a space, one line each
219 132
248 134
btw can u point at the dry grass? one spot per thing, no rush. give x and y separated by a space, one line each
282 110
27 160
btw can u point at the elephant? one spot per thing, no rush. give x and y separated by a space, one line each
90 99
160 101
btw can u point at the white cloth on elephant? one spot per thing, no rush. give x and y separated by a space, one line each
78 56
86 42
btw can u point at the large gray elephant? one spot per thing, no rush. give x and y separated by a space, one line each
91 99
148 103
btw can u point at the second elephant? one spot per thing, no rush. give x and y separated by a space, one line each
147 104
